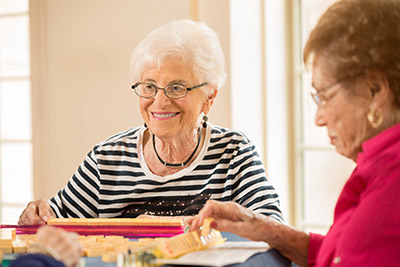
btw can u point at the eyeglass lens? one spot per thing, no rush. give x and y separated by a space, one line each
150 90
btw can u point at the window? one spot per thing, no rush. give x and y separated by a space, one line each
304 168
15 110
323 171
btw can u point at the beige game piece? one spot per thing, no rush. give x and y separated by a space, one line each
19 246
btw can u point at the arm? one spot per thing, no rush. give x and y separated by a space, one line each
232 217
64 204
79 199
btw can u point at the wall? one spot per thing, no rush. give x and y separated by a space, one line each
80 74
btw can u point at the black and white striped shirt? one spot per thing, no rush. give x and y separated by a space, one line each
114 176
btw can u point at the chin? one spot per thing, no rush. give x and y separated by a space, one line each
348 153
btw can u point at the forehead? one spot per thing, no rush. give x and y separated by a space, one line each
170 70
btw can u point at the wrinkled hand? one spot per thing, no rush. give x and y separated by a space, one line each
66 244
230 217
36 212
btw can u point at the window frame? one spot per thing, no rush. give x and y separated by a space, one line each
4 203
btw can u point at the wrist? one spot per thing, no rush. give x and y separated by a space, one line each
39 248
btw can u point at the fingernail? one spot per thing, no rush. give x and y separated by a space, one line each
45 218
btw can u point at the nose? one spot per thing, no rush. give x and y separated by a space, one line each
319 117
161 99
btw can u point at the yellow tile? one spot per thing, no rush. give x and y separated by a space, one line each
6 249
114 237
19 250
109 256
94 252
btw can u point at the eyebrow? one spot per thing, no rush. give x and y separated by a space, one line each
320 87
171 82
323 89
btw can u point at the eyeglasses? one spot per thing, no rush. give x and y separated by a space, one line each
174 91
321 100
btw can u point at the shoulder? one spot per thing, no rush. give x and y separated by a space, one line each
222 134
127 138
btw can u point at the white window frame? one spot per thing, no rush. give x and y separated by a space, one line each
4 203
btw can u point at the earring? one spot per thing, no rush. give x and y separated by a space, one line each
205 119
145 125
375 117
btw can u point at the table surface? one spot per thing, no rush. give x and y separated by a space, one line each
270 258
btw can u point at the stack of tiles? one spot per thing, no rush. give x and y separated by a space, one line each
106 247
127 227
111 239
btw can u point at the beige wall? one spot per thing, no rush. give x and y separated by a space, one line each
80 74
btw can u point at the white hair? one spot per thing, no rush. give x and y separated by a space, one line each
191 41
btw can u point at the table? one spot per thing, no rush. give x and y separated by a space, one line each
270 258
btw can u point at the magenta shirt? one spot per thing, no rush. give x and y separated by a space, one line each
366 227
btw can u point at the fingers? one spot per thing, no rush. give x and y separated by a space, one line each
228 216
187 220
70 249
66 244
45 211
36 212
214 209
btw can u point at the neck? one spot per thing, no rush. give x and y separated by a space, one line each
172 155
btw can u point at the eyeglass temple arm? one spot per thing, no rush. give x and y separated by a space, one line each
197 86
135 85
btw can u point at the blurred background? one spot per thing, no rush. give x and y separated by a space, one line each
64 87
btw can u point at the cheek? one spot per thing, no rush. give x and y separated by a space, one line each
193 106
192 111
144 104
352 130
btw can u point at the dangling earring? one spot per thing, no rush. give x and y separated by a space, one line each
375 117
205 119
145 125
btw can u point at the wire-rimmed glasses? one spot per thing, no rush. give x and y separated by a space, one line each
174 90
316 95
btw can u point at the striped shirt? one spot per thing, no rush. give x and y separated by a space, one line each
114 179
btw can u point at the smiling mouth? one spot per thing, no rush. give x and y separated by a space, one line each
164 116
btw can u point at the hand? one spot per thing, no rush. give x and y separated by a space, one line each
231 217
66 244
36 212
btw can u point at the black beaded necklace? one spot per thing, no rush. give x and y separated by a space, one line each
177 164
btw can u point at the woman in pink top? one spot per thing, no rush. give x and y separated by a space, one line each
354 52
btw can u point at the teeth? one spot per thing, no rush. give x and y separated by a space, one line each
167 115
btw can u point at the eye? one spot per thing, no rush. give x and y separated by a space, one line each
148 87
176 90
322 99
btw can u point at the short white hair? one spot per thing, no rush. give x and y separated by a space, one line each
192 41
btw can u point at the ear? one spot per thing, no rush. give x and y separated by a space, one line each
381 95
210 100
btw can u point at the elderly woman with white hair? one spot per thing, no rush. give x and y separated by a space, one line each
177 160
